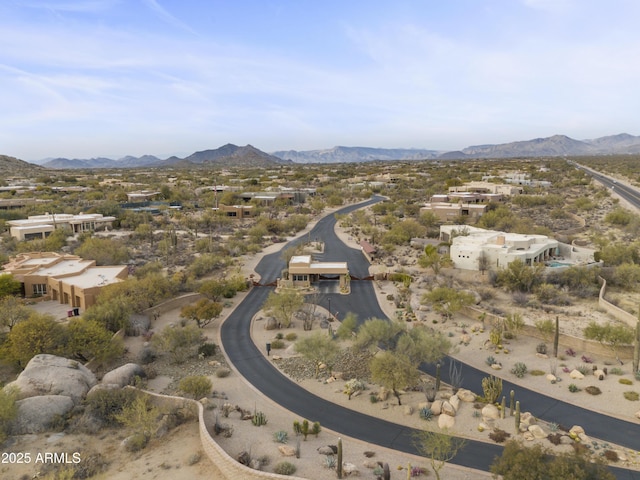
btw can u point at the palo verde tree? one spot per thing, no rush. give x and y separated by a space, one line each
319 348
439 448
613 336
9 285
396 368
520 277
13 311
203 312
283 305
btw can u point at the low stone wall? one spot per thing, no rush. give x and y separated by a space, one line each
231 469
174 303
565 341
611 309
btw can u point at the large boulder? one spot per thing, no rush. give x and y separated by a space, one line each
53 375
123 375
38 414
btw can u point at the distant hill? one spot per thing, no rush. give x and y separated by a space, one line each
15 166
248 156
355 154
230 155
226 156
557 145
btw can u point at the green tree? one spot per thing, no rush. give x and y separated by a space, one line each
213 289
518 276
105 251
448 301
13 311
179 342
9 285
394 372
112 314
38 334
613 336
283 305
318 348
203 312
439 448
348 326
89 339
378 333
431 259
420 345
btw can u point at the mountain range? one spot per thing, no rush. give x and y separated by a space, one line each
248 156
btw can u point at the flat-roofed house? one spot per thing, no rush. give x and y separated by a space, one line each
67 279
41 226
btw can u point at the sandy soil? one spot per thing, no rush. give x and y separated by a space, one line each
172 456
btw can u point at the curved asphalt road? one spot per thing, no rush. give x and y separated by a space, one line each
250 362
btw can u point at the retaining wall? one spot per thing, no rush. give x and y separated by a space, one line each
231 469
611 309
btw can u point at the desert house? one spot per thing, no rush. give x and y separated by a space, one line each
471 246
67 279
41 226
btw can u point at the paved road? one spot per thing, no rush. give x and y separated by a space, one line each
629 194
245 356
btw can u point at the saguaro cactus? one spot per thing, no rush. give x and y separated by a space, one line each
636 349
504 406
517 417
339 465
512 396
556 338
438 377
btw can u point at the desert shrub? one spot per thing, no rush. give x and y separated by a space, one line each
291 337
147 355
106 404
490 360
179 342
207 349
611 455
279 336
584 369
519 369
537 373
196 386
573 388
616 371
541 348
631 396
591 390
625 381
136 442
8 410
222 372
284 468
499 435
277 344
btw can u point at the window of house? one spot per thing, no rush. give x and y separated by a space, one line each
40 289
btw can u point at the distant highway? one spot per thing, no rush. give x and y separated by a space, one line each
627 193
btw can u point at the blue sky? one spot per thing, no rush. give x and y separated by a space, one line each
83 78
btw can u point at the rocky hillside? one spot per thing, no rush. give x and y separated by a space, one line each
555 146
10 166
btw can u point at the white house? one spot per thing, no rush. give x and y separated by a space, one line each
470 244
